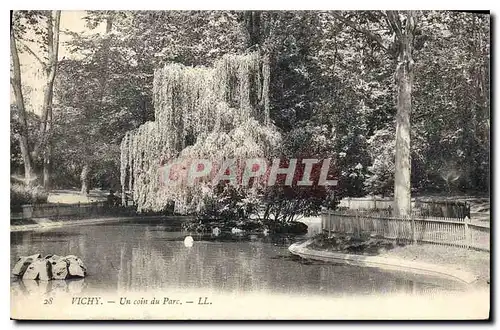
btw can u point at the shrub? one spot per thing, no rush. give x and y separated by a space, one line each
21 195
291 227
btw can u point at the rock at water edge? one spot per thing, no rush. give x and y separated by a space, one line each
59 269
23 264
39 269
78 260
76 266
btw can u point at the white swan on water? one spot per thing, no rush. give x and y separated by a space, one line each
188 241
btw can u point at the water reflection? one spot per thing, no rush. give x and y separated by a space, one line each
73 286
143 257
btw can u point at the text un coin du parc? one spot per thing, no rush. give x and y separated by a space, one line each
96 300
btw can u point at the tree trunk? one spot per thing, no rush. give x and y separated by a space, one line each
402 177
46 170
51 68
47 166
84 178
53 22
404 82
15 81
252 23
105 63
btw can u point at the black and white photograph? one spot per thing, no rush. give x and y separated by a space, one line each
250 164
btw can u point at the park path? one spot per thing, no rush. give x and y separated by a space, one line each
393 262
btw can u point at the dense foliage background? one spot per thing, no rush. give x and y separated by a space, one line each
332 92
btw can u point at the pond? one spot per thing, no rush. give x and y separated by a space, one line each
136 255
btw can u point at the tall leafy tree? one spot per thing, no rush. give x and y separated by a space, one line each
397 39
16 83
41 28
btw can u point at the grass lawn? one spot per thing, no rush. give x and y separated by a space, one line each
75 196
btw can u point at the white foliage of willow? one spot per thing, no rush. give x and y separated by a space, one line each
212 113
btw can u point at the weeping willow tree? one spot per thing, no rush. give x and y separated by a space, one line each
213 113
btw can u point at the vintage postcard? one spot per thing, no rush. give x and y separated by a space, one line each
250 165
